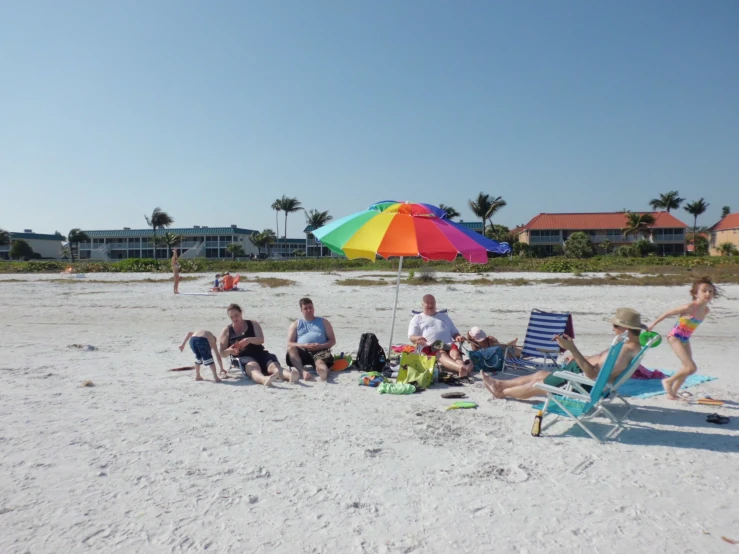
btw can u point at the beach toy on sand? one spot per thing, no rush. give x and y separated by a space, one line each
646 336
461 405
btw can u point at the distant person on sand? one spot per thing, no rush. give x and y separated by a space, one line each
245 340
522 388
309 342
176 271
217 284
690 317
202 343
438 335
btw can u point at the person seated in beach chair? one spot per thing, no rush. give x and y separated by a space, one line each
243 340
229 282
522 388
477 339
436 332
309 342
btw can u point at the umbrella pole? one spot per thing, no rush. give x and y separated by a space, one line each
395 306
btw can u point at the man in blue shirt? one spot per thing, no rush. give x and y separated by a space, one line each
309 342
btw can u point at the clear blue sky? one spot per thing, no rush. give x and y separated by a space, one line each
213 110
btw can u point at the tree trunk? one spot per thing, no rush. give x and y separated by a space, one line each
154 242
71 252
277 223
285 226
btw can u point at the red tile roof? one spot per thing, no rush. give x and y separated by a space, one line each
731 221
603 220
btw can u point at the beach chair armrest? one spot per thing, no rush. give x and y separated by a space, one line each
548 351
575 377
562 392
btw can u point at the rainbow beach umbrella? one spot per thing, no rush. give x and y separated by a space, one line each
391 228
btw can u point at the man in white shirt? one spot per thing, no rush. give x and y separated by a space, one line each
430 326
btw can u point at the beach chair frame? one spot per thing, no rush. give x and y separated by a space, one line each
589 404
539 350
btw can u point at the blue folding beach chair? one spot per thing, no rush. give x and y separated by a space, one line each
611 393
575 401
539 350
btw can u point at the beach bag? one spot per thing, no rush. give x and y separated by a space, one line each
488 359
417 370
370 355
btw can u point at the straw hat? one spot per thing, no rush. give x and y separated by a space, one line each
477 334
628 318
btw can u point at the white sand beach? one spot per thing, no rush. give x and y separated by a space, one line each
148 460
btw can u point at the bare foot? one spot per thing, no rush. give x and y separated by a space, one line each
467 368
307 376
294 375
198 378
668 390
217 380
269 381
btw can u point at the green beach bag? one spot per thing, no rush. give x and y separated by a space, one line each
416 369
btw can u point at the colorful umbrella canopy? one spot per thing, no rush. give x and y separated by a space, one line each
392 228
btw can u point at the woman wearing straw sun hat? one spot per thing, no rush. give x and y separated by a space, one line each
625 320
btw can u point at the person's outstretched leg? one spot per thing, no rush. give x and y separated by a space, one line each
254 372
684 353
463 369
322 369
293 354
274 368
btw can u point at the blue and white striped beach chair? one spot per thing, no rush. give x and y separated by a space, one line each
539 350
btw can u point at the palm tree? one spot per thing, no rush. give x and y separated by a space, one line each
667 202
170 240
316 219
637 224
726 210
495 205
695 209
269 237
158 220
451 213
74 238
235 249
263 239
289 206
480 207
4 237
277 207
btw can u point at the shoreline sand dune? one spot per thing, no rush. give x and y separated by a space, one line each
147 460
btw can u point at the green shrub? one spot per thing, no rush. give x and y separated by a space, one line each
578 245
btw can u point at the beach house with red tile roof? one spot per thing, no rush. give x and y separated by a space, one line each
726 230
547 231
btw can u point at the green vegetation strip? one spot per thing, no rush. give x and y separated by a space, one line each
600 264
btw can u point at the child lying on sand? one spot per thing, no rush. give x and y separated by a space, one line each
201 343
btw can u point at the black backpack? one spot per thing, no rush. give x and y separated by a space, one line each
370 355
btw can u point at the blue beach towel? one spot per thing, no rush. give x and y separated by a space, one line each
637 388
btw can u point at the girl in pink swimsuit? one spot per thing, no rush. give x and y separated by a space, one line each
690 316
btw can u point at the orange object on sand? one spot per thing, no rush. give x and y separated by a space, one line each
340 364
228 282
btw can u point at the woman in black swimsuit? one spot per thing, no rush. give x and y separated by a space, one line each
245 340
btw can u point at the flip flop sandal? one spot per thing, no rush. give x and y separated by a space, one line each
453 395
685 394
718 419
